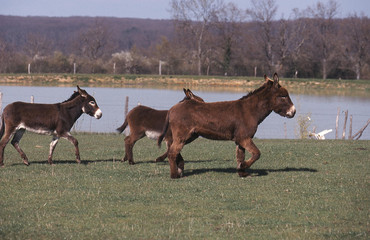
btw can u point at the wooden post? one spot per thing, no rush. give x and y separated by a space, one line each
114 68
126 106
1 102
255 71
345 125
337 124
29 68
74 68
359 133
160 68
32 99
350 127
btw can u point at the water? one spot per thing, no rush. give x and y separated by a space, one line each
322 110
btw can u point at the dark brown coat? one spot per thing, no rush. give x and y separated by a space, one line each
145 121
230 120
52 119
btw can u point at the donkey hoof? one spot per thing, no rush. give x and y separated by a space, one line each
243 174
26 163
159 160
78 161
175 176
131 163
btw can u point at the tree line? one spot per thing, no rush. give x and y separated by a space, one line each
204 37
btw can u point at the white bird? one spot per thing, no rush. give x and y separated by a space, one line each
320 135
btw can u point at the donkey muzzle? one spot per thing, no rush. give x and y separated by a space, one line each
291 112
98 114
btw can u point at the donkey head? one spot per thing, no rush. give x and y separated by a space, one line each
190 95
280 100
89 104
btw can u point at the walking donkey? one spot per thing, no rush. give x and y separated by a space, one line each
53 119
231 120
144 121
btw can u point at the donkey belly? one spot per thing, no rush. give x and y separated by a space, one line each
152 134
38 130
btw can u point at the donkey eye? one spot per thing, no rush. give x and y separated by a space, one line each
92 103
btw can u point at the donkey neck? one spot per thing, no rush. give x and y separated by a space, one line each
259 105
74 107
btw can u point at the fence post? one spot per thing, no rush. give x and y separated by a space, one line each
32 99
337 124
126 106
345 125
74 68
350 127
160 68
29 68
1 102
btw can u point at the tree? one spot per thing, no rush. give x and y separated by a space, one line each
263 12
357 39
325 33
290 41
193 19
229 26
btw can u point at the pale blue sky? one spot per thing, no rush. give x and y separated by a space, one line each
154 9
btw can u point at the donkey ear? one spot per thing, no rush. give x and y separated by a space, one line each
190 94
276 79
81 92
267 79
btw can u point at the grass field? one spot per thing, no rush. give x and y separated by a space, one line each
299 189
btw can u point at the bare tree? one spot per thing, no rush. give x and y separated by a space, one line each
357 45
229 26
37 46
290 41
325 32
93 41
263 12
193 19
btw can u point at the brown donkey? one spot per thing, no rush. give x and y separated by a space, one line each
144 121
231 120
52 119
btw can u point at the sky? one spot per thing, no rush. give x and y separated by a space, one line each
153 9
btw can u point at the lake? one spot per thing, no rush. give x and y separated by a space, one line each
322 110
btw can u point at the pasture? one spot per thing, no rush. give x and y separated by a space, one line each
298 189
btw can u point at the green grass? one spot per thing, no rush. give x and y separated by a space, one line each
299 189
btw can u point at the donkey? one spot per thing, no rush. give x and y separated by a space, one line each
52 119
230 120
144 121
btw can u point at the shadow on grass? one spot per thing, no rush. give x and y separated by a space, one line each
83 162
247 172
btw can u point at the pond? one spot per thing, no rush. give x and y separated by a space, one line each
321 110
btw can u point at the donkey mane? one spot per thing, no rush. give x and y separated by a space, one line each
73 96
255 91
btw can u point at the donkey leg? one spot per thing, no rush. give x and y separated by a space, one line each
52 147
240 153
129 145
75 143
163 156
180 164
15 142
4 141
174 161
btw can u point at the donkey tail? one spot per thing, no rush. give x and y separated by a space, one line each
2 129
123 127
164 131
